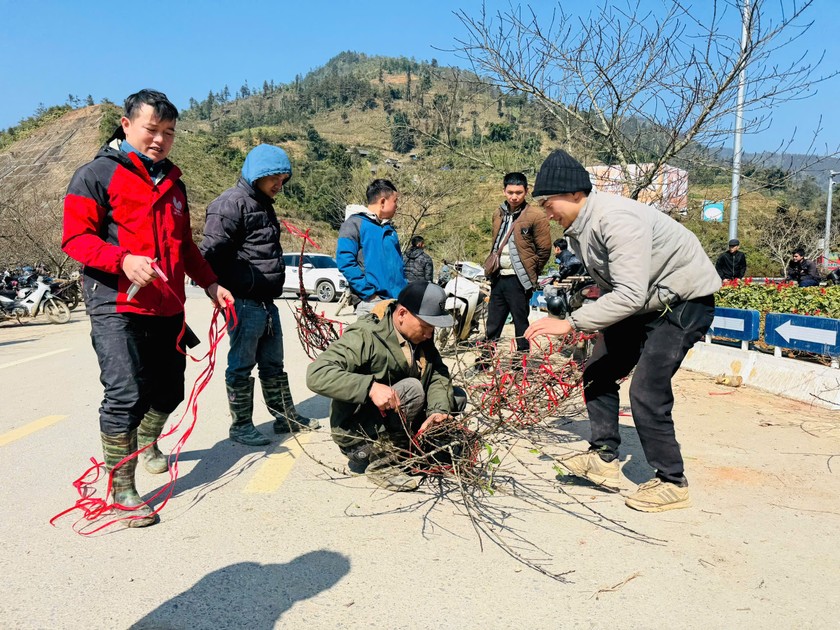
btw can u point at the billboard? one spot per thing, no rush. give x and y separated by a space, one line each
668 191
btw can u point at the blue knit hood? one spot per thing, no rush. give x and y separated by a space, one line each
263 160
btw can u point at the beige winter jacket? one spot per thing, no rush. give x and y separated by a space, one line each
643 259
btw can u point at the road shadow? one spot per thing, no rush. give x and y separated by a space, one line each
16 341
634 465
248 594
314 407
223 462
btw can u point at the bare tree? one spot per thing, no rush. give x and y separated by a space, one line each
630 86
779 235
30 231
427 194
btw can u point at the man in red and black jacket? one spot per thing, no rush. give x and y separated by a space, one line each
124 212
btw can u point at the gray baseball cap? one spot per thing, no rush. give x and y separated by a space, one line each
426 300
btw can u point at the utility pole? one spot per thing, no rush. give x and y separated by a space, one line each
746 16
827 241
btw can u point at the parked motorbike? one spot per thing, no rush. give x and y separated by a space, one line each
68 291
466 300
29 302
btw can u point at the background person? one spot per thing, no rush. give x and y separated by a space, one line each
568 264
732 264
522 237
123 211
801 270
242 243
658 302
418 264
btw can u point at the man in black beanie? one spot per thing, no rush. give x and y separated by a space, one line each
658 301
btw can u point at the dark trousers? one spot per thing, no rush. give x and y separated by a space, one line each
139 367
509 296
655 344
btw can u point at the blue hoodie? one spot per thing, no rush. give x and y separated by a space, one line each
264 160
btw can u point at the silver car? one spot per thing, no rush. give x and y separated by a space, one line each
321 276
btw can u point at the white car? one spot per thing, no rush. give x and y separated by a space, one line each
321 276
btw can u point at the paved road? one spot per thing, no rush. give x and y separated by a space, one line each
264 538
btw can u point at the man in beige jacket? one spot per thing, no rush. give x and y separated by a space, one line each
658 301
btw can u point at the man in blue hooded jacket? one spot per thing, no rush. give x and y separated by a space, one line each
242 244
368 249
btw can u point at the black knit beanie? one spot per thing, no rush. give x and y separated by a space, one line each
561 173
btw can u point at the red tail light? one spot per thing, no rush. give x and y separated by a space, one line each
591 293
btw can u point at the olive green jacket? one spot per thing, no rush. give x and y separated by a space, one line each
369 351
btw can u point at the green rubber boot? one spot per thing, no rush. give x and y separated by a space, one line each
278 398
149 430
116 448
241 401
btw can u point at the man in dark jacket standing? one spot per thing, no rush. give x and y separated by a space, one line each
522 237
418 264
732 263
242 243
126 215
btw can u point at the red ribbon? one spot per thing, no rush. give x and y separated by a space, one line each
93 508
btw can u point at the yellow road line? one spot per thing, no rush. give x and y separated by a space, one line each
271 475
28 429
37 356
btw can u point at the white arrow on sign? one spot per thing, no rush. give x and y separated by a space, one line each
816 335
728 323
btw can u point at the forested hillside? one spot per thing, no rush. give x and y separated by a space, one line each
444 136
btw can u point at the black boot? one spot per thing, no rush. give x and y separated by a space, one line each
241 401
116 448
149 430
278 399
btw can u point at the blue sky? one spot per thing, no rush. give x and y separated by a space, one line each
51 48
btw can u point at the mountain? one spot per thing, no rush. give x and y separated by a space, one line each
444 136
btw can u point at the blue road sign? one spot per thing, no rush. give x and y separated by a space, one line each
538 300
735 323
819 335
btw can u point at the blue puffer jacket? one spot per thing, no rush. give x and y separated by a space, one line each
242 234
368 254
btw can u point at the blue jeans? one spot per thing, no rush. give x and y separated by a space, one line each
257 339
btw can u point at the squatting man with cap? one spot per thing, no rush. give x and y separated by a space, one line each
386 363
242 244
658 302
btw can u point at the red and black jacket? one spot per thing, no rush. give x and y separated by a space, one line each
113 208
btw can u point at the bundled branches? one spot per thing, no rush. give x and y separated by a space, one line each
315 332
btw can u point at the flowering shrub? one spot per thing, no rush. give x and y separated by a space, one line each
780 297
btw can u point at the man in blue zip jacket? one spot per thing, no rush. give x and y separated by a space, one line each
368 250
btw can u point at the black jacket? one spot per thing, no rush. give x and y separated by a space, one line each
418 265
803 270
242 243
731 265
